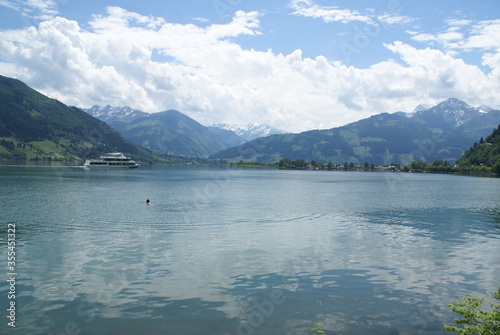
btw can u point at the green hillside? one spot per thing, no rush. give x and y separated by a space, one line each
380 139
171 132
35 127
485 153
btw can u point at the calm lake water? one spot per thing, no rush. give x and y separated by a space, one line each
244 251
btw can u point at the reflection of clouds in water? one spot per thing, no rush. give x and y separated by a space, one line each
315 237
214 262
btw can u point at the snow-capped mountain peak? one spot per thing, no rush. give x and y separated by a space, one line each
452 112
250 131
421 107
453 104
484 109
456 111
110 113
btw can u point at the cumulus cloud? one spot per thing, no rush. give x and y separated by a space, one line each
467 36
124 58
436 74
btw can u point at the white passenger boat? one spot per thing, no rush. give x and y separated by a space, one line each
112 160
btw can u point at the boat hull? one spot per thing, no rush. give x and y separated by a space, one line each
108 165
112 160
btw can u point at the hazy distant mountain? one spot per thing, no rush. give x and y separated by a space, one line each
171 132
380 139
195 142
110 114
33 126
251 131
444 131
421 107
228 137
484 109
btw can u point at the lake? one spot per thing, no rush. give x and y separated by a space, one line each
243 251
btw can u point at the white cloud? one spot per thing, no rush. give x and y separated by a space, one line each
480 35
128 59
45 7
33 9
9 4
388 16
395 19
450 39
453 22
435 74
467 36
328 13
201 19
485 35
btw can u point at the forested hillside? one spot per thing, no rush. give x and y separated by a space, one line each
485 153
379 139
35 127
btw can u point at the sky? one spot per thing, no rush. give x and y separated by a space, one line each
292 64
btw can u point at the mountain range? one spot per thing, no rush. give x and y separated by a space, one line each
250 131
456 115
429 133
33 126
171 132
441 132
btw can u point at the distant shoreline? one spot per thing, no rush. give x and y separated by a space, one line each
73 163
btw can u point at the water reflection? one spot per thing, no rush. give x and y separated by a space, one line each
294 247
493 215
313 262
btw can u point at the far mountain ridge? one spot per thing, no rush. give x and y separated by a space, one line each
451 114
33 126
442 132
420 108
452 117
112 114
109 113
451 103
215 138
251 131
453 111
170 132
484 109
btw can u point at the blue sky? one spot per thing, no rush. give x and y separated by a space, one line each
293 64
